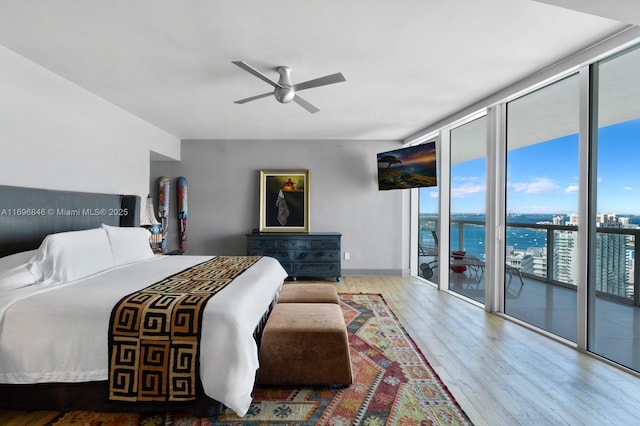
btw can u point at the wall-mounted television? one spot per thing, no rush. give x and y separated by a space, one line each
405 168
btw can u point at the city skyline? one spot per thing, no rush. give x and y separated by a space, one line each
543 178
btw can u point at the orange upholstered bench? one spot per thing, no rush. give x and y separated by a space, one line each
308 293
305 344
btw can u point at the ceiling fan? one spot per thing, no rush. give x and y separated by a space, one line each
284 91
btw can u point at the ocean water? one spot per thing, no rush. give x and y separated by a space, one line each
518 238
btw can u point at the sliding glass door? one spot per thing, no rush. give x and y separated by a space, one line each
428 218
467 209
616 308
540 270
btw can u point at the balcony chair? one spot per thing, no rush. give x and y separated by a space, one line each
461 260
513 270
426 268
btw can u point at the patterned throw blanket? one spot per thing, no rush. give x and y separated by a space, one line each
154 333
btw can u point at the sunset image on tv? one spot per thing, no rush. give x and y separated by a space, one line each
406 168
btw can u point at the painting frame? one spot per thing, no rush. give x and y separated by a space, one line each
284 200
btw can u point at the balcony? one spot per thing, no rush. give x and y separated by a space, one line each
546 295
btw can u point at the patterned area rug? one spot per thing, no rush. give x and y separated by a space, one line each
393 385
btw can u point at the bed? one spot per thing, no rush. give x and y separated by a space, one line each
64 362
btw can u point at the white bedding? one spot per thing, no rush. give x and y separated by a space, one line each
59 334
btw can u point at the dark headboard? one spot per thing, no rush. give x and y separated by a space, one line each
27 215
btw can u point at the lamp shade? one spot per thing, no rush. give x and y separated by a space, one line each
149 215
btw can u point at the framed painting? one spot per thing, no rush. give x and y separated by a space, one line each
284 200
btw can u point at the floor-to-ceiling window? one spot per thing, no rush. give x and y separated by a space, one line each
569 230
428 211
467 209
541 208
615 287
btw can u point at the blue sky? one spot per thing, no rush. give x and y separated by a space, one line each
543 178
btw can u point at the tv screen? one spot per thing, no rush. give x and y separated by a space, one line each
405 168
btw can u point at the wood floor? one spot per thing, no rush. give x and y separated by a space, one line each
500 372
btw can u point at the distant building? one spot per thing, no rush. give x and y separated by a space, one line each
611 257
565 251
631 262
539 256
519 259
614 255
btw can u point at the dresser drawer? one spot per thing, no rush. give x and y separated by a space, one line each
261 243
325 244
278 254
312 269
291 244
317 255
283 244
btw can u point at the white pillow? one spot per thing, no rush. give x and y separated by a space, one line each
19 276
69 256
128 244
16 259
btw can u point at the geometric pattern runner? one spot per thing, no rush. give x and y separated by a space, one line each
154 333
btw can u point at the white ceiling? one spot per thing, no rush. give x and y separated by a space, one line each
618 10
408 63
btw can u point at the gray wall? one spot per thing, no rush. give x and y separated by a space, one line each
223 190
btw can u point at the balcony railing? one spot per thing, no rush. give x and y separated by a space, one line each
616 276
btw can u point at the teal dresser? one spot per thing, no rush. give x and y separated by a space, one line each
314 254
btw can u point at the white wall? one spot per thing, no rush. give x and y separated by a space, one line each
56 135
223 193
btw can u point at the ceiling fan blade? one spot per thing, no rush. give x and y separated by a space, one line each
255 72
253 98
322 81
305 104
